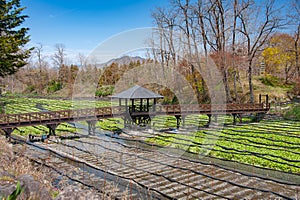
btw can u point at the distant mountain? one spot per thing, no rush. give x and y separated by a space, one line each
124 60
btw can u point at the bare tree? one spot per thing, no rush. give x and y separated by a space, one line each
295 22
38 51
59 55
42 67
256 31
235 16
59 61
82 60
166 22
237 9
186 26
223 29
200 13
217 41
297 41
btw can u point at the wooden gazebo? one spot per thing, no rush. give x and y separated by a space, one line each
138 101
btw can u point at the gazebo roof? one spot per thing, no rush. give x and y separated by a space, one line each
137 92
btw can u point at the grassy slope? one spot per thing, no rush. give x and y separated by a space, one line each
275 88
278 91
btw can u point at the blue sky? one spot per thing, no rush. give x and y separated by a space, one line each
81 25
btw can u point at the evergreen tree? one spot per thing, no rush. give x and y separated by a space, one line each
13 38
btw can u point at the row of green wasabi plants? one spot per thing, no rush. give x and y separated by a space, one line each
269 144
24 105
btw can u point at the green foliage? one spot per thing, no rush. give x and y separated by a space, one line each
272 81
54 193
166 101
175 100
16 193
30 88
19 104
2 107
293 113
54 86
12 40
113 124
104 91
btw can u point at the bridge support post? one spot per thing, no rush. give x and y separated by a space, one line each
8 132
259 116
209 118
52 128
234 118
215 118
178 119
240 118
183 120
91 126
127 119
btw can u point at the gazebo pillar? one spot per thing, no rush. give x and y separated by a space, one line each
148 105
132 105
126 105
154 105
127 117
141 105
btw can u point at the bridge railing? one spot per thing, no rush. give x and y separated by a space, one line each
210 108
62 115
106 112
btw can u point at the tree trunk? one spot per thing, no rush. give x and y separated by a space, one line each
188 35
234 85
233 47
250 82
297 51
227 89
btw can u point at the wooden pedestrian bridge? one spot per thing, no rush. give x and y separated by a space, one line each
52 119
137 106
